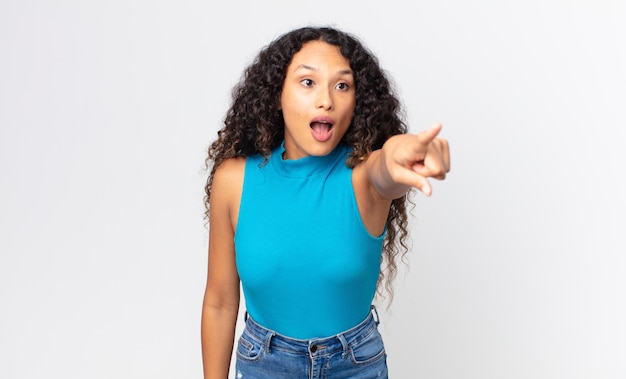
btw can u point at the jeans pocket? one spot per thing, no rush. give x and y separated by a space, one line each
249 348
369 350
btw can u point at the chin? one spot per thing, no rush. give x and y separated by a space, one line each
323 150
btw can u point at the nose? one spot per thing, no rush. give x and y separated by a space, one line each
324 99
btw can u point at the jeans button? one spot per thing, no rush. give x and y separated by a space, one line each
313 348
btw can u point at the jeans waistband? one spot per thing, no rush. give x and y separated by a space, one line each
315 346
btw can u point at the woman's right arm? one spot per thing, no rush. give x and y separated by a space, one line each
221 298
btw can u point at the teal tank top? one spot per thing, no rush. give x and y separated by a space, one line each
308 267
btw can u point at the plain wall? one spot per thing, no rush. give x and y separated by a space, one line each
106 109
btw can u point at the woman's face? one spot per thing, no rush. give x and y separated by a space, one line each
317 100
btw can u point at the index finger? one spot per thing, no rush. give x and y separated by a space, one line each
426 136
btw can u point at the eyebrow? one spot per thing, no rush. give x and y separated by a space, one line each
307 67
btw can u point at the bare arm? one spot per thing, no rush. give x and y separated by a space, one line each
221 298
405 161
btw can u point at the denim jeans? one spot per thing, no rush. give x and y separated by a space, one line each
357 353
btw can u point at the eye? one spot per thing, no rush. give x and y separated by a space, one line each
343 86
306 82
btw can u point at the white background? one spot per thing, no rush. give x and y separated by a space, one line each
106 108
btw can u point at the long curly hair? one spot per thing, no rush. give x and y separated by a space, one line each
254 124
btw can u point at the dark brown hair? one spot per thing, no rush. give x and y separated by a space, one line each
254 123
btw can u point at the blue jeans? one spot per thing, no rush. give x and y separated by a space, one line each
357 353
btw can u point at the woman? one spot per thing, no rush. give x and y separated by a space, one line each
306 198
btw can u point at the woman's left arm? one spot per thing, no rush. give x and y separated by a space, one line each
405 161
408 160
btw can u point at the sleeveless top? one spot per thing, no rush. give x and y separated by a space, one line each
307 264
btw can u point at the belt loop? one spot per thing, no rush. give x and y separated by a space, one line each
267 342
344 344
375 312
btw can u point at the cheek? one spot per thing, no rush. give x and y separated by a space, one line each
294 106
348 114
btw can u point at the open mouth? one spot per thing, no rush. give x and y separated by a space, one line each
321 130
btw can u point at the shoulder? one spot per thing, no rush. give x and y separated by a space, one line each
228 177
361 178
372 207
226 191
230 169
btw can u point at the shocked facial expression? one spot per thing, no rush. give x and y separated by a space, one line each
317 100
